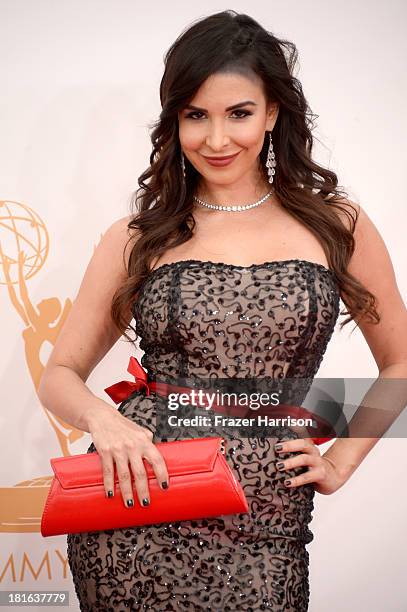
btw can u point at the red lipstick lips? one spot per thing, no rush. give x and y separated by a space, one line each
221 161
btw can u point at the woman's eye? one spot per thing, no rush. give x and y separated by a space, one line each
243 113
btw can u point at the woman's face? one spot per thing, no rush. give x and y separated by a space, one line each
214 131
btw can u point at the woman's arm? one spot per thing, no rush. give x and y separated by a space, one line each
346 454
371 264
87 335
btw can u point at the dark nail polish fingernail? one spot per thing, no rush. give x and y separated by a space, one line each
110 493
287 483
280 465
278 447
164 484
145 501
130 503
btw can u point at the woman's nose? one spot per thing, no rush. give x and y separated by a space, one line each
217 138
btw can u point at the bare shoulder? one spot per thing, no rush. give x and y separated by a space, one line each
372 266
348 212
370 254
118 239
120 226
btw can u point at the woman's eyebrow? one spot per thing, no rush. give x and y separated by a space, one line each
238 105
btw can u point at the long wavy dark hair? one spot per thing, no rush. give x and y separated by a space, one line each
162 206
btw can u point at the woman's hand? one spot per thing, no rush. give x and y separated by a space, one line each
117 439
321 470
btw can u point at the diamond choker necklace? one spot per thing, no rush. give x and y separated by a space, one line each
233 207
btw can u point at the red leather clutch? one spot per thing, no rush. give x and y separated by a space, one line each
201 484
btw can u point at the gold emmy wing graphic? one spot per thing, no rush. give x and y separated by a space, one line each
24 245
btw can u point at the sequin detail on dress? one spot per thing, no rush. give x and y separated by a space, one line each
207 319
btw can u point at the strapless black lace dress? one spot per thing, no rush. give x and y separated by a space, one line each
209 319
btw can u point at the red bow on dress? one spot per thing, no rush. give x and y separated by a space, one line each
121 390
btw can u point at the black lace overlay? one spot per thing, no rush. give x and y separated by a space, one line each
201 319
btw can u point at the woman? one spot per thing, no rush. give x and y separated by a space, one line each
250 291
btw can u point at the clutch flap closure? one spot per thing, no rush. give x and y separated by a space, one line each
182 457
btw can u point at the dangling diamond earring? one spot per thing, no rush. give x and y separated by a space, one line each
271 161
183 163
